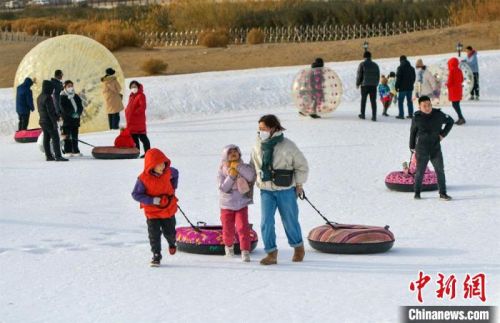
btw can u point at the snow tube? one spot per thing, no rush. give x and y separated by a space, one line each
403 182
209 240
30 135
351 239
115 153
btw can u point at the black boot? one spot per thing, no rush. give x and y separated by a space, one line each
50 158
385 113
417 196
314 116
444 197
155 262
61 158
361 116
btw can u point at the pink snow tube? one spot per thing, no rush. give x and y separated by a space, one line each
403 181
30 135
208 241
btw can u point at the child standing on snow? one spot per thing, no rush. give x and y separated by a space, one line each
391 82
235 182
385 94
155 190
124 139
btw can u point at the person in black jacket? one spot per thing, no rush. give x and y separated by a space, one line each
367 77
405 79
48 122
425 136
58 87
24 103
71 110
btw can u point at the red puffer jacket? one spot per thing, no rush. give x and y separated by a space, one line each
455 79
135 113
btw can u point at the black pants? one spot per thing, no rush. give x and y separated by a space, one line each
372 91
158 226
114 120
23 121
436 159
50 133
71 141
144 139
456 106
475 88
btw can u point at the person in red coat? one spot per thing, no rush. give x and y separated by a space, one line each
135 114
454 84
124 139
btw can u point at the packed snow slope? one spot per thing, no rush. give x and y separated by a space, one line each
74 246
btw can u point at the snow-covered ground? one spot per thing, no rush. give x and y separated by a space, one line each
74 247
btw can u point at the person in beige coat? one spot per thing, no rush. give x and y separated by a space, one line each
426 82
281 171
112 98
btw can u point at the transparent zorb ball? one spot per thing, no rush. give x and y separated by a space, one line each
440 72
317 91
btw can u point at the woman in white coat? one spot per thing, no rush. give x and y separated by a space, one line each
281 173
426 82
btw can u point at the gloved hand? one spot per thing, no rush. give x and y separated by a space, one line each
233 172
156 200
233 168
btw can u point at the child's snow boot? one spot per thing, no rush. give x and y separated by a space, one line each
155 262
385 113
229 251
270 259
245 256
298 254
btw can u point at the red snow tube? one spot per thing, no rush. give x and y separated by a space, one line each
351 238
404 182
115 153
30 135
209 240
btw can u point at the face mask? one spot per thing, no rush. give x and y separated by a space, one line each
263 135
134 90
70 90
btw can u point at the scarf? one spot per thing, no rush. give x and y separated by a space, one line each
71 97
472 52
267 147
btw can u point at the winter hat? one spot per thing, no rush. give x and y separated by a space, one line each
110 71
318 62
420 63
402 58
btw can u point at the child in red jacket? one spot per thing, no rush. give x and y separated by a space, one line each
124 139
454 84
155 190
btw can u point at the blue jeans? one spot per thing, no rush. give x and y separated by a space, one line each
286 202
401 97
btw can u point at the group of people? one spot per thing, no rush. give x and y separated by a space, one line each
400 86
277 167
60 108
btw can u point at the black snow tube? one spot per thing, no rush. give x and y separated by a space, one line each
115 153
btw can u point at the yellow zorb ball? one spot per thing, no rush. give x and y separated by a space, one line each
83 61
317 91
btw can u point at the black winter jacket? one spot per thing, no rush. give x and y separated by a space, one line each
426 129
58 87
71 118
368 73
46 108
405 76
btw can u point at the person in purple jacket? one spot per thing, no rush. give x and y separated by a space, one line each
235 187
